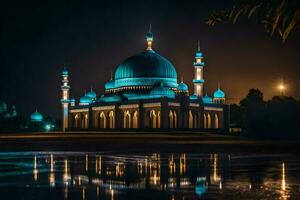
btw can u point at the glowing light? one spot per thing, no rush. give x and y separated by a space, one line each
283 183
86 163
52 174
281 88
35 170
66 176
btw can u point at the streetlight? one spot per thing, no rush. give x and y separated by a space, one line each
281 88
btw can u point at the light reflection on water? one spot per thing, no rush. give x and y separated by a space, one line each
73 175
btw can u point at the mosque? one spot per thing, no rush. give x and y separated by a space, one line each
145 94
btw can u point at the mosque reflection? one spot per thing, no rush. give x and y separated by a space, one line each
178 176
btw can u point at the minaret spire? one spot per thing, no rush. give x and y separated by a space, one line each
199 45
149 38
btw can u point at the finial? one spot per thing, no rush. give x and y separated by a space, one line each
111 75
198 45
181 79
91 88
219 85
149 38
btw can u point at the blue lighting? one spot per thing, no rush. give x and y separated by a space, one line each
162 91
199 54
219 94
207 99
193 97
198 81
91 94
65 72
36 117
85 100
110 85
146 68
201 186
149 36
182 87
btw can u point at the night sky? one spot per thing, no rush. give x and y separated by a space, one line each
93 37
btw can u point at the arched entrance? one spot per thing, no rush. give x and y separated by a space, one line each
76 121
111 119
102 120
204 121
191 119
171 119
127 119
208 121
135 121
216 121
153 120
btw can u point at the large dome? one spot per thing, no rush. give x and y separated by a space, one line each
146 69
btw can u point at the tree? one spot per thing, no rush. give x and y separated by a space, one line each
254 112
283 117
276 16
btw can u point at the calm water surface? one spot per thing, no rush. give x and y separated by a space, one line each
100 175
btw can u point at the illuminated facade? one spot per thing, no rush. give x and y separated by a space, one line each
145 93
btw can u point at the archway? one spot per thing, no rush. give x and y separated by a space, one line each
191 120
216 121
127 119
86 121
153 119
135 120
158 119
76 121
204 121
175 119
102 120
195 121
208 121
111 119
171 119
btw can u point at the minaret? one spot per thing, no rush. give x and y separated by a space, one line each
65 88
198 79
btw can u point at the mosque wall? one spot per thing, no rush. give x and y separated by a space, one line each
160 113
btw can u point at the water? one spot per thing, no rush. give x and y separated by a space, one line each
100 175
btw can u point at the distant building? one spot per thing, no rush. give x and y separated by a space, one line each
36 117
7 113
145 93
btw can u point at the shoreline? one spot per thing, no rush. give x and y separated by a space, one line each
142 142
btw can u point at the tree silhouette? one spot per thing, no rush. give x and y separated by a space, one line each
276 16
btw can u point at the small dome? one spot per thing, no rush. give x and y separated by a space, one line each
162 91
36 117
182 87
193 97
199 54
85 100
219 94
207 99
72 100
149 36
91 94
65 72
110 85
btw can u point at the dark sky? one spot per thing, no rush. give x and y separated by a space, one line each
93 37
